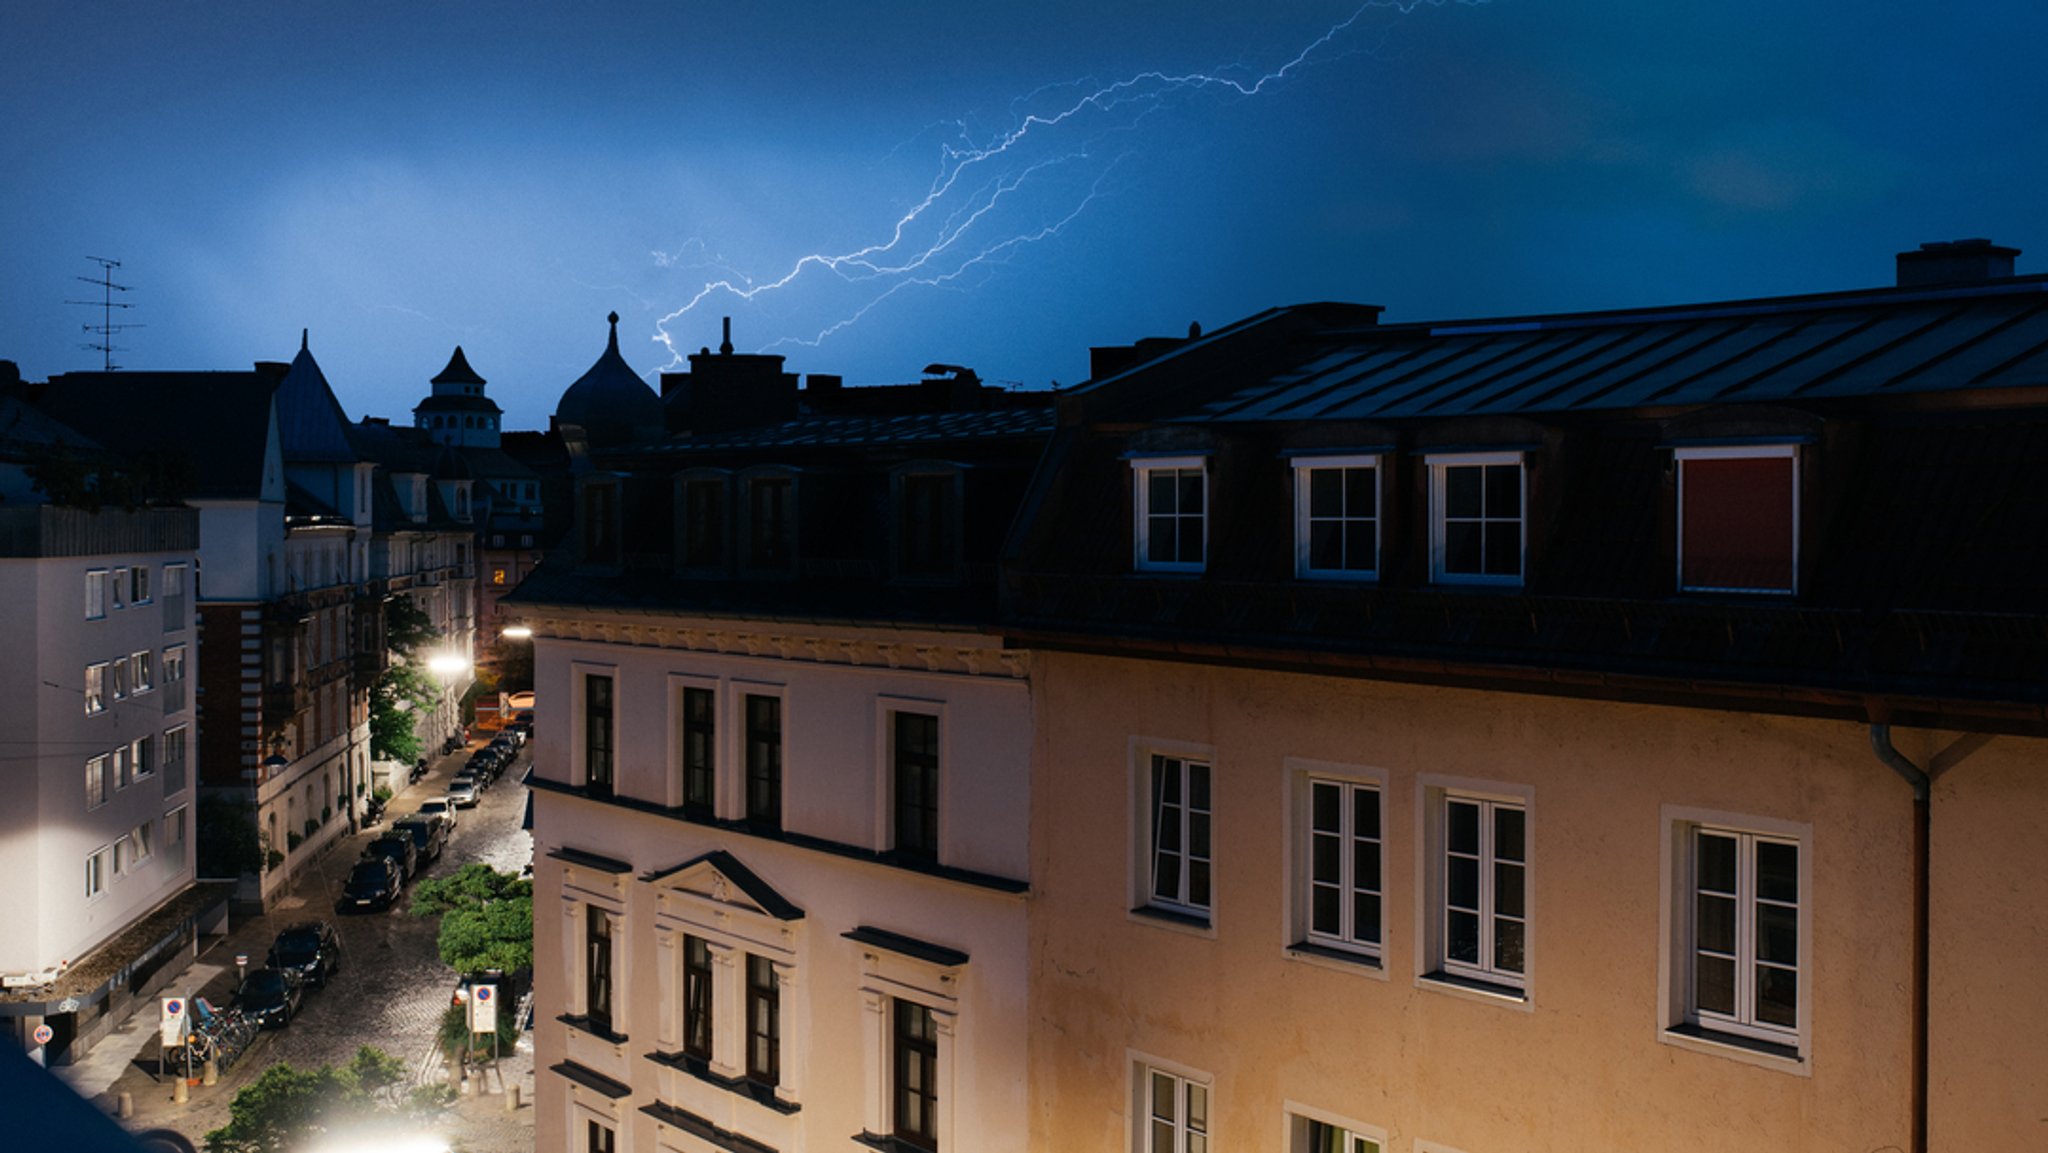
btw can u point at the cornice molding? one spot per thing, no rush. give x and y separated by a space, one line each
788 642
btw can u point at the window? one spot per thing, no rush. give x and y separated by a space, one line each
1317 1135
1336 517
122 770
143 755
174 832
1476 518
699 752
597 969
771 522
96 594
97 782
174 675
119 856
764 1022
697 998
601 1139
916 1066
1481 889
1174 1112
1172 496
764 760
140 673
1341 872
926 524
138 585
117 679
1178 836
497 576
915 752
96 875
597 734
173 759
141 843
119 586
703 535
1743 937
95 689
1738 519
175 616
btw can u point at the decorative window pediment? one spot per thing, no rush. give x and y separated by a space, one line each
721 879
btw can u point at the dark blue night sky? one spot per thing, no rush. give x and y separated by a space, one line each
403 177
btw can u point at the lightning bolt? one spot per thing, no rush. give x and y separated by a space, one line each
987 198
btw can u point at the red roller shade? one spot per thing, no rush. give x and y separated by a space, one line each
1738 523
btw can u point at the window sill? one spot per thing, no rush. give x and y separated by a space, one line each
1482 991
756 1091
888 1144
1342 960
585 1025
1174 919
1748 1050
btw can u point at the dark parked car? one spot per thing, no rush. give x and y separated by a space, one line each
309 949
372 885
270 997
429 835
400 849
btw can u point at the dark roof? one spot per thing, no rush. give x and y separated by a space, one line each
601 863
311 426
25 428
495 464
610 402
301 504
220 422
868 431
905 946
838 596
458 371
757 890
456 403
1776 351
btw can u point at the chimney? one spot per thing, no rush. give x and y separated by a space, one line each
1955 262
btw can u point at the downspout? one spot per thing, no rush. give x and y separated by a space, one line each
1922 782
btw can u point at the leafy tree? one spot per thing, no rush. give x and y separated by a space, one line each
228 842
286 1108
486 918
401 694
407 627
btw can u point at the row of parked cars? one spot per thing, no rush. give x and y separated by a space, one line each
485 766
303 956
391 861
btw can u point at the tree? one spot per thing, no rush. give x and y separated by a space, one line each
486 918
228 842
407 627
286 1108
400 695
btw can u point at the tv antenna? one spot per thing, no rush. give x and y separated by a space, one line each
106 328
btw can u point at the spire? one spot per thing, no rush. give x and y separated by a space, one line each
303 335
726 348
613 347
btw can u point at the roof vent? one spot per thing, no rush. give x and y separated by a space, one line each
1955 262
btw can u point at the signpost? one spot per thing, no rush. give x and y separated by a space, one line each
170 1030
483 1009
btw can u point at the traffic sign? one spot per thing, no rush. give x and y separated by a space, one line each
43 1034
483 1008
171 1023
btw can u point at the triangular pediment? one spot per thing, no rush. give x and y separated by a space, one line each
721 878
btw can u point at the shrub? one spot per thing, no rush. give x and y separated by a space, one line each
274 859
292 841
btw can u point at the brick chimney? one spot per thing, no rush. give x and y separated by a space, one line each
1955 262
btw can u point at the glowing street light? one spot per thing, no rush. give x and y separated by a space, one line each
447 665
517 633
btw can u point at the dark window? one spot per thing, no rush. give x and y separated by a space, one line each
597 974
699 766
597 733
1180 834
917 785
1737 522
601 1139
1340 520
703 524
764 1022
927 524
917 1075
600 540
1481 521
697 997
764 761
1174 499
771 526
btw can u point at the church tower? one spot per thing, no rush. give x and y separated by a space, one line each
458 413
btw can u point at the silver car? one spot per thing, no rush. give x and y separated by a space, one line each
462 793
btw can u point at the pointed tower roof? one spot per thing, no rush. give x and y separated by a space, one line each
610 402
458 371
311 426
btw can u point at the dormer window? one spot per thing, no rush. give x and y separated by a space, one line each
927 522
1171 514
701 537
1337 517
600 533
461 503
1738 519
1478 531
771 521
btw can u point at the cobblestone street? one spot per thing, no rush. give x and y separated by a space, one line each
390 992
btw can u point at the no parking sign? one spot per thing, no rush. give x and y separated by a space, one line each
43 1034
171 1024
483 1009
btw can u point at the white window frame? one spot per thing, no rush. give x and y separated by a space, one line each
1303 466
99 771
141 757
1433 968
885 978
174 664
138 592
1298 1116
1737 452
579 767
733 743
886 708
1185 1082
1681 1023
1304 777
676 789
1438 497
96 594
96 688
704 904
141 840
1144 877
141 678
96 874
1142 469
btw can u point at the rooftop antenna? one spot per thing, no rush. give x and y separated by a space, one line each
106 328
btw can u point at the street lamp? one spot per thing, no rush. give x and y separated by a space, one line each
447 666
517 633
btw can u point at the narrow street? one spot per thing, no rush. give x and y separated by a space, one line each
390 992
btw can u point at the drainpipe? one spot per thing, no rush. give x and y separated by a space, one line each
1922 782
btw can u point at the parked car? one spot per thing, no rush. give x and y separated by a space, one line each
402 851
472 777
429 835
462 791
440 807
311 950
270 997
372 885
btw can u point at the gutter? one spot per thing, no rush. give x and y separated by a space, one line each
1922 783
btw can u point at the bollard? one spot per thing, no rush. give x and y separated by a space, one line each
179 1093
511 1098
124 1106
209 1073
468 1087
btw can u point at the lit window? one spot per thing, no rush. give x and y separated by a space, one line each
95 688
1476 521
1336 517
1738 519
96 594
1171 515
1177 837
916 1069
1173 1114
915 756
